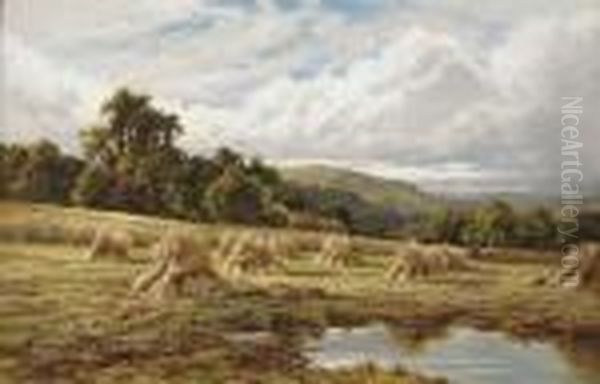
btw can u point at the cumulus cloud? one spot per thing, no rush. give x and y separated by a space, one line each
41 98
448 94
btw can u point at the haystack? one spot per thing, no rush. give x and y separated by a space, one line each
584 274
110 243
336 251
590 267
283 246
422 262
224 245
181 265
230 251
253 252
303 242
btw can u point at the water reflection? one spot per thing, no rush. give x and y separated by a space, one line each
463 355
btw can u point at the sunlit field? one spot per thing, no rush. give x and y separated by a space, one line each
69 315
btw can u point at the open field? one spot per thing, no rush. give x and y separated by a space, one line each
65 318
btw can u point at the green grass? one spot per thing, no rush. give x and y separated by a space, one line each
65 319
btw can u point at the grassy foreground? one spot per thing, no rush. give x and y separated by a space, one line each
65 319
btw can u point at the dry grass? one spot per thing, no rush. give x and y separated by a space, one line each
46 224
45 233
49 293
419 262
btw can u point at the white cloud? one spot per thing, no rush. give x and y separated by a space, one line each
42 98
414 86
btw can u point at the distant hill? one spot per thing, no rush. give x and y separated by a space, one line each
376 190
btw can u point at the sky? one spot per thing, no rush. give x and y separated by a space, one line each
457 96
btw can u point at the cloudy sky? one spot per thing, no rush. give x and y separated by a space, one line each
456 95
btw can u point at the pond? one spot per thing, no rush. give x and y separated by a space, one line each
461 355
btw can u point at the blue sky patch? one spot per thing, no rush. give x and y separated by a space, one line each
355 9
288 5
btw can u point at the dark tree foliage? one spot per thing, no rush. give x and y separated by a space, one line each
346 208
195 177
132 161
488 225
37 172
236 197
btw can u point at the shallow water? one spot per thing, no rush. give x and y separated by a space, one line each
462 355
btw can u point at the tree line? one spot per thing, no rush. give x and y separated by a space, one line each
492 224
130 161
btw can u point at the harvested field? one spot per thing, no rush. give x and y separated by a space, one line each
168 315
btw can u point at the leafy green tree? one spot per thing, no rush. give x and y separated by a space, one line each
235 197
490 225
442 225
265 174
536 228
133 152
14 158
188 194
125 112
226 158
93 188
40 172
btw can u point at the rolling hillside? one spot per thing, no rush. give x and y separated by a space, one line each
380 191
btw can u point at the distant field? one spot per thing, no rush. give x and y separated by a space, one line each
64 318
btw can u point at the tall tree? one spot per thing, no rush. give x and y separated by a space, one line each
40 172
133 151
